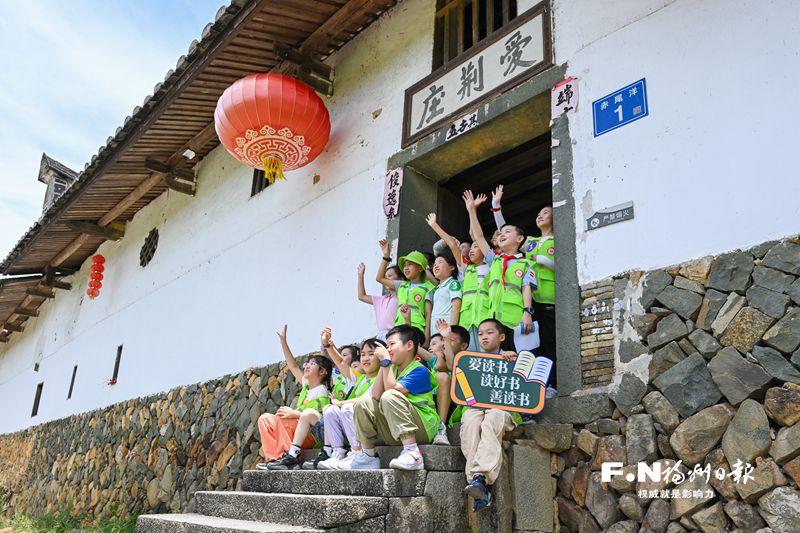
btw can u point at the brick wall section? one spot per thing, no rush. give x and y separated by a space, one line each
597 335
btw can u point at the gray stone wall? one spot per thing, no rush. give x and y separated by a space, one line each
706 373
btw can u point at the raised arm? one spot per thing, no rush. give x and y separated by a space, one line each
327 344
449 240
475 230
497 211
445 365
380 277
362 290
287 354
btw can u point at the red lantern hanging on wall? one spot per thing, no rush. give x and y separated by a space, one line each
96 276
273 122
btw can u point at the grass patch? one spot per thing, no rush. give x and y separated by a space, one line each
64 522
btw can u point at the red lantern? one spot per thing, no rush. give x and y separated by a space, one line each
93 292
94 284
272 121
98 259
96 275
98 268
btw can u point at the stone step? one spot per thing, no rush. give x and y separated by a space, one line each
297 509
197 523
385 483
436 458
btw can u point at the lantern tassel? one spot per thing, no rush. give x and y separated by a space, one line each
273 168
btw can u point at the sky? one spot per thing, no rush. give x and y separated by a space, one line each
70 72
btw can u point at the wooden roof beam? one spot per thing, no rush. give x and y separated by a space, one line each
40 292
3 339
113 232
13 327
26 311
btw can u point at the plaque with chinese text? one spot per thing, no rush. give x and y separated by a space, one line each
491 381
506 58
391 192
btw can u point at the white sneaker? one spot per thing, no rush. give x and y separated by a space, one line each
550 393
331 463
441 436
347 462
362 461
408 461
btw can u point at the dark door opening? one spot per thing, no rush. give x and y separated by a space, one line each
526 174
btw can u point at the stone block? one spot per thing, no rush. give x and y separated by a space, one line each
688 385
670 328
781 509
196 523
696 436
689 285
772 279
657 406
533 490
553 437
786 445
748 434
766 476
601 502
587 442
730 272
776 364
733 304
386 483
746 329
792 468
640 438
744 516
576 518
665 358
697 270
409 515
769 302
794 291
711 519
657 517
736 378
610 448
622 483
628 394
631 507
687 506
784 336
625 526
654 283
725 487
577 410
441 458
784 257
709 309
580 482
683 302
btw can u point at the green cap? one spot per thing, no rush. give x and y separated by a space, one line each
416 258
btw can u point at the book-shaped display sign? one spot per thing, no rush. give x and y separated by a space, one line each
492 381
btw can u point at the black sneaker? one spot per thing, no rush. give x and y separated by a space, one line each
314 465
286 462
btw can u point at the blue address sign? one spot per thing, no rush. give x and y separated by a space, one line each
620 107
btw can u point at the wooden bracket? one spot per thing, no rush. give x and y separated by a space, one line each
40 292
50 280
13 327
179 180
24 311
308 69
3 338
112 232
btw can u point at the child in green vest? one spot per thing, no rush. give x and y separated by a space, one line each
541 254
400 409
287 431
454 339
410 292
482 430
339 415
474 294
509 280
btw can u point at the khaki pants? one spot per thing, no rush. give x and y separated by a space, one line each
392 418
482 441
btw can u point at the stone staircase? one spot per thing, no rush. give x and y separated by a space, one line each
344 501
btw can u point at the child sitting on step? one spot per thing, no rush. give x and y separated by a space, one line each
400 409
482 429
286 432
338 416
454 339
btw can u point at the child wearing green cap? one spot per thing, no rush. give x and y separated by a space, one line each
413 291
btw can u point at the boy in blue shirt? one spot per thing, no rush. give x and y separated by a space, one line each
400 409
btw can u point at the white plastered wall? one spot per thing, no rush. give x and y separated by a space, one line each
230 269
712 167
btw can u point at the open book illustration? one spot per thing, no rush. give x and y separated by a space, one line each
532 368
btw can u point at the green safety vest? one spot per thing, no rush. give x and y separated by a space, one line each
545 292
340 390
505 303
317 404
422 402
415 298
363 383
474 299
